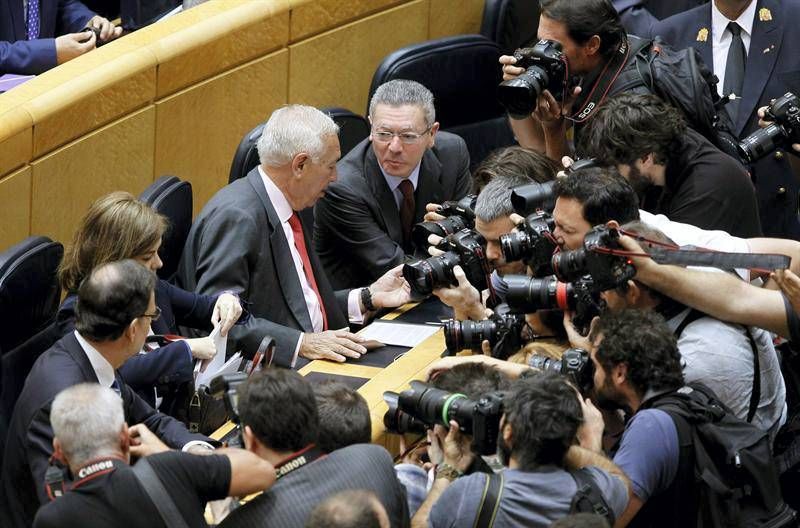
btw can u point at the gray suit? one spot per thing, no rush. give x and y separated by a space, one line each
237 243
357 231
290 501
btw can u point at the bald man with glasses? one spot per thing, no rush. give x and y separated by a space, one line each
363 224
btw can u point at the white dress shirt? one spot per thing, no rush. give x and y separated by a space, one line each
102 368
394 183
721 38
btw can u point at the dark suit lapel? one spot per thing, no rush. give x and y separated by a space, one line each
429 186
75 350
765 47
15 13
387 206
702 39
282 257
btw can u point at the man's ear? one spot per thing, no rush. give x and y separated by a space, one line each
592 46
619 374
612 224
634 293
508 435
299 162
648 160
251 443
434 130
58 452
131 330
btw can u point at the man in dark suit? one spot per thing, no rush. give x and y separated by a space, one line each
638 16
36 35
768 62
251 238
363 223
115 307
280 423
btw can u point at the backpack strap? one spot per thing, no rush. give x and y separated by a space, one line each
490 501
588 498
158 494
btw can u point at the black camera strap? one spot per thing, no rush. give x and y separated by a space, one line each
158 494
490 501
295 461
713 259
589 100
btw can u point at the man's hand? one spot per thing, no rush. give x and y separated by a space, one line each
590 433
551 112
432 214
576 340
789 283
144 442
227 311
335 345
74 45
642 263
463 298
108 31
202 347
436 438
391 290
763 122
509 70
456 452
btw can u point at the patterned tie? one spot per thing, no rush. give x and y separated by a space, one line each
407 210
33 19
300 244
734 69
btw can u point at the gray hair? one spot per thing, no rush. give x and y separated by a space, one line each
494 201
400 92
87 419
292 129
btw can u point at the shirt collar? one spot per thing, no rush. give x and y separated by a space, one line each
276 196
394 181
102 368
719 22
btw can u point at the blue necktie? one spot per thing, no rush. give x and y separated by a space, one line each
33 19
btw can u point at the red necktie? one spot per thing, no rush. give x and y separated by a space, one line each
407 210
300 244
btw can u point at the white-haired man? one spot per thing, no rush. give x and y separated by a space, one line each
92 438
253 238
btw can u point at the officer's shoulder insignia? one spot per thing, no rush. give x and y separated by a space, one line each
702 35
764 14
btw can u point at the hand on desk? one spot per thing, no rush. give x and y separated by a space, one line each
335 345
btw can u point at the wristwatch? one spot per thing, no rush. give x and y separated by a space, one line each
366 300
446 471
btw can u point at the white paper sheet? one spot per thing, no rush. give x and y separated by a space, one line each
206 370
399 334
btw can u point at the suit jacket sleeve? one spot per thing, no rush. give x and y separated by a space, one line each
27 57
39 448
191 309
72 16
169 364
226 251
464 178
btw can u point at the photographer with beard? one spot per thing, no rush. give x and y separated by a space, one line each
673 169
546 432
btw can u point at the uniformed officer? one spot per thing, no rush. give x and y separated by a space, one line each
638 16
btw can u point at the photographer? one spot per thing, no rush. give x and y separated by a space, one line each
720 355
547 435
92 438
280 423
344 417
674 170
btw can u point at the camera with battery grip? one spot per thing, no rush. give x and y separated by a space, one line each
458 215
503 331
784 129
535 197
574 364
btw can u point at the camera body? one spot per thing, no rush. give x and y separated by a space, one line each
425 405
546 68
459 215
532 242
607 271
534 197
465 248
781 133
503 331
575 364
226 387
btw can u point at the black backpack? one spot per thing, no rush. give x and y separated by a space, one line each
681 78
728 466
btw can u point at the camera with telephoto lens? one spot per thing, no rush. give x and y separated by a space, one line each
534 197
423 404
466 249
545 69
458 215
607 271
225 387
781 133
528 294
575 364
532 242
503 331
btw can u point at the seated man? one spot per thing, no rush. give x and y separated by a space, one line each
115 305
250 239
363 224
344 417
546 435
91 437
674 169
278 414
28 40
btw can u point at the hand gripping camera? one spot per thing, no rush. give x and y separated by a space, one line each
546 68
532 242
574 364
458 216
503 331
421 407
781 133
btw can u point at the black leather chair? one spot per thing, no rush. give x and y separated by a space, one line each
352 129
172 198
29 289
511 24
462 72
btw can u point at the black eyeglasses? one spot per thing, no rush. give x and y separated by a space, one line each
153 316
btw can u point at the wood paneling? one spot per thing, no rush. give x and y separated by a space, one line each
455 17
310 18
116 157
335 68
198 130
15 207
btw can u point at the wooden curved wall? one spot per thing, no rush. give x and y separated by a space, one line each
176 97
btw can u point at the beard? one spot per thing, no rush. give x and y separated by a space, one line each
638 181
606 397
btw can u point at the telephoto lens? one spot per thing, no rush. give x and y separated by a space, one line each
527 294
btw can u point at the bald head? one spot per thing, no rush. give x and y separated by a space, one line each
349 509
